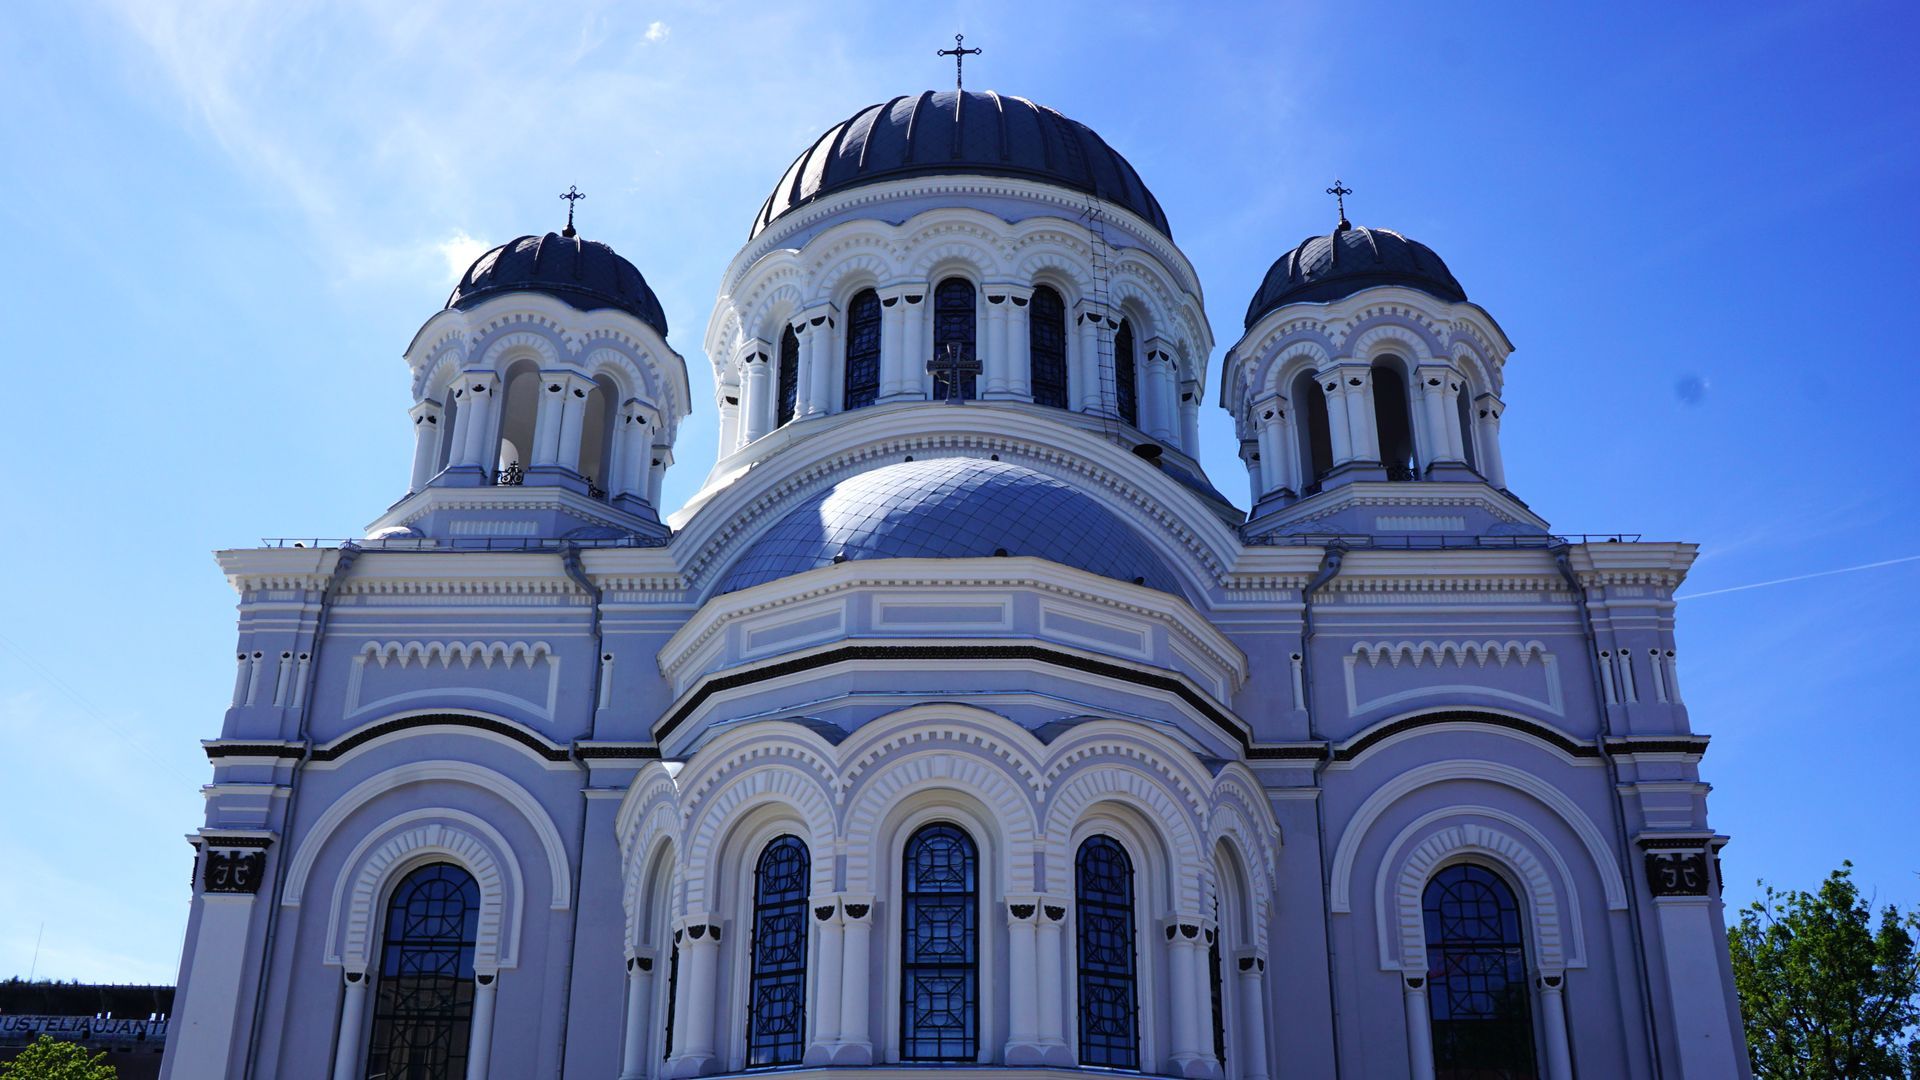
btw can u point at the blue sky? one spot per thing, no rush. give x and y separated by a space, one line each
1696 222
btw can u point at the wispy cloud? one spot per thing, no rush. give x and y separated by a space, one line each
657 31
1799 577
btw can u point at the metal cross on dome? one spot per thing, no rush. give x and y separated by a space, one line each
948 370
959 52
573 194
1340 192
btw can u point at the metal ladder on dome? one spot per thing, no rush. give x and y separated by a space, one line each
1108 411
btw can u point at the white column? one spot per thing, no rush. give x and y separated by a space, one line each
757 402
1553 1023
1052 986
693 1048
573 415
998 356
347 1046
549 408
856 1002
726 404
1023 1015
829 980
634 1042
1090 377
816 340
916 343
1019 344
1419 1030
1492 466
1253 1016
1250 456
1191 999
634 450
477 443
1358 381
480 1039
1443 436
1339 432
893 357
426 442
658 457
1276 463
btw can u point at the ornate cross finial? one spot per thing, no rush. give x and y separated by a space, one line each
573 195
959 52
1340 192
947 371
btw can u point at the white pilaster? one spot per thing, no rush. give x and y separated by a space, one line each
1023 982
856 1000
573 416
635 452
727 406
478 446
426 442
1357 380
1252 1000
214 1007
693 1038
1276 463
893 356
1339 428
1419 1030
1190 417
1019 343
996 363
1085 383
1553 1024
634 1041
757 402
480 1037
1192 1049
1492 466
348 1045
549 410
1442 443
829 979
916 342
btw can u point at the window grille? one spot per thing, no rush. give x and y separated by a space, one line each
863 350
940 946
789 376
1047 347
1103 906
1126 377
777 985
953 324
423 1003
1477 975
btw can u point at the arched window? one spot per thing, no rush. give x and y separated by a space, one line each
1218 984
777 985
1126 375
1047 347
1393 419
1103 906
953 338
597 425
1465 410
1310 423
520 401
940 946
789 376
863 350
1477 968
423 1003
673 993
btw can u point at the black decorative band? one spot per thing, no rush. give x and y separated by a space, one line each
272 750
1545 734
1085 665
616 753
517 733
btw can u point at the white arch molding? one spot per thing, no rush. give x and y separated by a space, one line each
461 839
459 772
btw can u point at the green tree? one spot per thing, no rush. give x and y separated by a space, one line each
50 1059
1826 994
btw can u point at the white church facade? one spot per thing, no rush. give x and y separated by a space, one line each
958 721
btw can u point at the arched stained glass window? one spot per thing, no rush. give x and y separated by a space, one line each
953 325
789 376
1126 375
940 946
863 350
777 985
1477 968
1047 347
1103 906
423 996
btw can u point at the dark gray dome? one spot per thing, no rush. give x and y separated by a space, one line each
983 134
950 508
587 274
1331 267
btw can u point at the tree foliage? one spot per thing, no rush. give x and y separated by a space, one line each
50 1059
1826 993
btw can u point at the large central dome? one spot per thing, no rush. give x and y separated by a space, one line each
950 508
954 132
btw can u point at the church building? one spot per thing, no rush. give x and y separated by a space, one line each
958 720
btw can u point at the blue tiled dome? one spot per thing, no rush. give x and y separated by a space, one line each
1351 258
587 274
950 508
965 133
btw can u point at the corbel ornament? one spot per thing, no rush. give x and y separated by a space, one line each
233 865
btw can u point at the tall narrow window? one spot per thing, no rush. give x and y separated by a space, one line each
1103 904
940 946
1477 968
953 339
1218 981
1126 375
1047 347
673 991
777 985
789 376
1465 410
863 350
1316 440
423 1003
1393 420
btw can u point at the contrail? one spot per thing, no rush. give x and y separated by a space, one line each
1801 577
